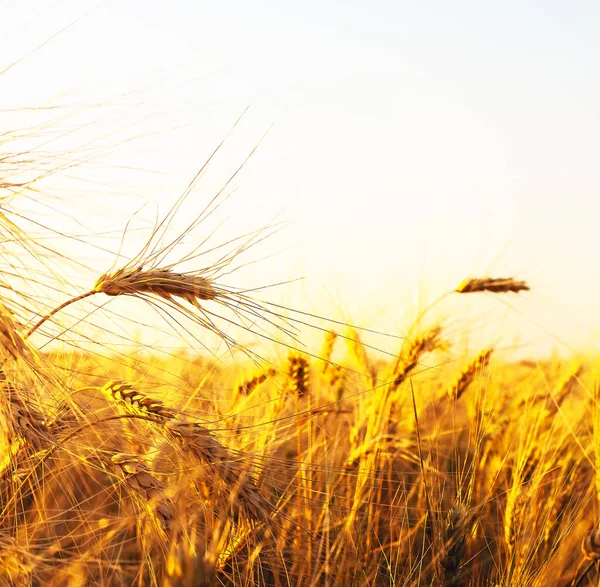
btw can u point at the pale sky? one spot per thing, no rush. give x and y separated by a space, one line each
413 143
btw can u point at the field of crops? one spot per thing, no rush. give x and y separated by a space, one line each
325 466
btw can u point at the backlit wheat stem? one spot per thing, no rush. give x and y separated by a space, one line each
56 311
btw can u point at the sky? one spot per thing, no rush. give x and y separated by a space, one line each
405 146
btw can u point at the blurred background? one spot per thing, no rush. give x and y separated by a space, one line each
402 147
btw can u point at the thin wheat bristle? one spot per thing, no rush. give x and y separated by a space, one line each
495 285
469 373
164 283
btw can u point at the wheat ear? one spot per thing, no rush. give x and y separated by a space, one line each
249 385
329 339
163 283
590 548
454 547
299 374
147 491
195 440
410 356
495 285
469 373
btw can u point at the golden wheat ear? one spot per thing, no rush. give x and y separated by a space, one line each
412 352
148 491
469 373
299 374
495 285
163 283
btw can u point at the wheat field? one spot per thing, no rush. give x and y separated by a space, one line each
317 466
240 452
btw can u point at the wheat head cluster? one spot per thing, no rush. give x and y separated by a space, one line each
337 465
